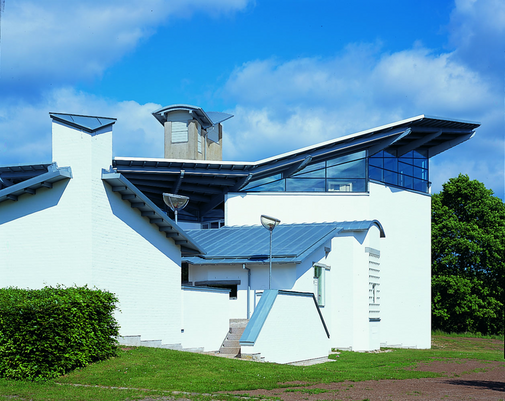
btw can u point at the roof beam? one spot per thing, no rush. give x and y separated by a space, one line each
297 167
215 201
4 182
241 183
417 143
383 144
435 150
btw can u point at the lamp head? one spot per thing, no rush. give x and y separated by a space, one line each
175 202
269 222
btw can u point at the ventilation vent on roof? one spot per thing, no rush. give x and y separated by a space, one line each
179 132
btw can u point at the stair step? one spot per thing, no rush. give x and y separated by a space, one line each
194 349
234 336
177 347
150 343
231 343
132 341
238 323
229 350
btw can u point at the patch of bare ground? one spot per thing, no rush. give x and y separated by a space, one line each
462 380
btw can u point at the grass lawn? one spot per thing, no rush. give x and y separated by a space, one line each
149 372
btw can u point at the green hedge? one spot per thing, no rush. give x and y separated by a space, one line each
46 333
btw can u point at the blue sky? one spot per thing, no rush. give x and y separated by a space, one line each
294 73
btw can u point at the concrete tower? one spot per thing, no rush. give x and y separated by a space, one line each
191 133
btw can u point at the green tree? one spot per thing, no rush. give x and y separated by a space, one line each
468 258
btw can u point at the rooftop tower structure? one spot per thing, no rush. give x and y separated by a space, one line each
191 133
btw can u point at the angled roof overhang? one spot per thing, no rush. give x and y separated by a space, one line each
207 182
293 243
431 135
45 175
129 193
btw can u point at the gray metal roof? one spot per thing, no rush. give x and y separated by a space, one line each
292 243
218 117
10 175
129 193
44 177
207 182
89 124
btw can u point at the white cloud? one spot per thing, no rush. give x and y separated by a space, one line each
282 106
55 42
136 132
477 31
48 46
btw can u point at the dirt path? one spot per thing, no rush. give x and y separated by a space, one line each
463 380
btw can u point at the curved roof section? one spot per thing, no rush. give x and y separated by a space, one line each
89 124
293 243
206 119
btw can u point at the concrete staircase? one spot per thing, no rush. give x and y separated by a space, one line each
136 341
231 345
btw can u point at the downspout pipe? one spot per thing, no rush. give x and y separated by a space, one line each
248 290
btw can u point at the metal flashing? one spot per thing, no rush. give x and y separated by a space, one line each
363 226
90 124
259 317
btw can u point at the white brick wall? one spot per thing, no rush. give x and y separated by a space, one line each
80 232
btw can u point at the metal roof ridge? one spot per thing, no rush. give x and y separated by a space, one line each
341 139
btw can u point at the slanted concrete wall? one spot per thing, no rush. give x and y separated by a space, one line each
291 329
205 317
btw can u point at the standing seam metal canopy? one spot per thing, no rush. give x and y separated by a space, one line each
292 243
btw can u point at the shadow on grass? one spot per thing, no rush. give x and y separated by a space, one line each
484 384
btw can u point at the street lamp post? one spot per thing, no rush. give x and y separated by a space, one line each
175 202
269 223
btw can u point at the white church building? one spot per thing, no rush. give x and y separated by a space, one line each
350 260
